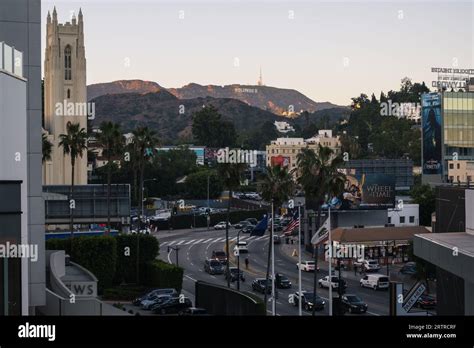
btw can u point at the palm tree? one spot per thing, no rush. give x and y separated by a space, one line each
74 142
319 177
47 148
277 187
230 174
143 143
112 141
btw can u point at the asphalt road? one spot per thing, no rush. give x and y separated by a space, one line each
197 245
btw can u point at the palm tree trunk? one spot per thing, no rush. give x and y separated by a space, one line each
227 240
109 179
269 259
315 252
71 200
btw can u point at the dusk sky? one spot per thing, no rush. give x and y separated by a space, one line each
329 51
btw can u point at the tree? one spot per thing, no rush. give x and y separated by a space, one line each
424 196
47 148
196 184
277 186
211 130
318 175
111 140
231 174
74 142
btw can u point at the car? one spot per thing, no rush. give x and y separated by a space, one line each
282 282
253 221
375 281
154 300
247 229
334 282
426 302
276 239
408 269
194 311
370 265
261 285
353 304
148 295
221 225
307 300
213 266
241 247
233 274
306 266
173 305
220 256
242 224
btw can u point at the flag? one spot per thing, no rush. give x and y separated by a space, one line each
294 223
261 227
321 234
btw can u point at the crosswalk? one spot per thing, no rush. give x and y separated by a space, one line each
211 240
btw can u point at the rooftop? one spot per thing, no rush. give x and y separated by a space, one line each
372 234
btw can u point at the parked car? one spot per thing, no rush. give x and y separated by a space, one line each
220 256
409 268
276 239
282 282
426 302
213 266
148 295
253 221
334 282
221 225
233 274
154 300
241 247
242 224
307 300
307 266
247 229
353 304
375 281
173 305
194 311
261 285
369 265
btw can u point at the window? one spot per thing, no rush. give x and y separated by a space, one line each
459 166
469 178
402 219
451 166
451 178
67 63
68 94
412 219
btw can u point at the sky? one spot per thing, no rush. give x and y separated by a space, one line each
327 50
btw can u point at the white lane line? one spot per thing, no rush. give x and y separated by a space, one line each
164 243
190 278
189 242
213 277
172 242
192 264
198 241
251 237
207 240
180 242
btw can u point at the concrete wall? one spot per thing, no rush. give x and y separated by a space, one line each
407 211
360 217
20 26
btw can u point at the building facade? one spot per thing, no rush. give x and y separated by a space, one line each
20 27
460 171
65 95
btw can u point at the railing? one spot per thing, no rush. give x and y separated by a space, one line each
11 60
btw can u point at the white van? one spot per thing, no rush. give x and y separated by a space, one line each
375 281
242 247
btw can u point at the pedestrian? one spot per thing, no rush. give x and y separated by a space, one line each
355 270
246 263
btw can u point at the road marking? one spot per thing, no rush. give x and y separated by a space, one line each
172 242
213 277
208 240
194 280
161 244
189 242
180 242
198 241
251 237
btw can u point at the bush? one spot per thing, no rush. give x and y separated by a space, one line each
160 274
96 254
126 265
124 293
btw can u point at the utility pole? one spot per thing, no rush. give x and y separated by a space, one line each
300 311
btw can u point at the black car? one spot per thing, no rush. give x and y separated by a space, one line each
213 267
173 305
242 224
261 285
153 293
247 229
409 268
353 304
233 274
282 282
253 221
308 301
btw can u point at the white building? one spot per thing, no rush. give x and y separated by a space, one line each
408 215
283 127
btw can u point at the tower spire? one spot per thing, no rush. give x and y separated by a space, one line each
55 15
260 80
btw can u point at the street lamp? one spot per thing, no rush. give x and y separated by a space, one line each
238 261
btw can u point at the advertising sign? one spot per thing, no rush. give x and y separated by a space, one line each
280 161
432 136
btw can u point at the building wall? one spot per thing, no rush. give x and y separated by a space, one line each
360 217
407 216
460 171
450 209
20 26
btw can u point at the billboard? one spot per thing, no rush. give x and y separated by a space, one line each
365 191
431 133
280 161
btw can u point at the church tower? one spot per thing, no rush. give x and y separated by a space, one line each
65 95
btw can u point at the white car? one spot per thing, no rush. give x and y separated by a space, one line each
324 282
375 281
142 231
221 225
370 265
242 247
306 266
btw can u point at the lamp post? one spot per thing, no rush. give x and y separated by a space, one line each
238 261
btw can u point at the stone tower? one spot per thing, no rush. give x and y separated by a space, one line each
65 95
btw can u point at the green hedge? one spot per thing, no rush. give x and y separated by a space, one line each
97 254
127 265
160 274
124 293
